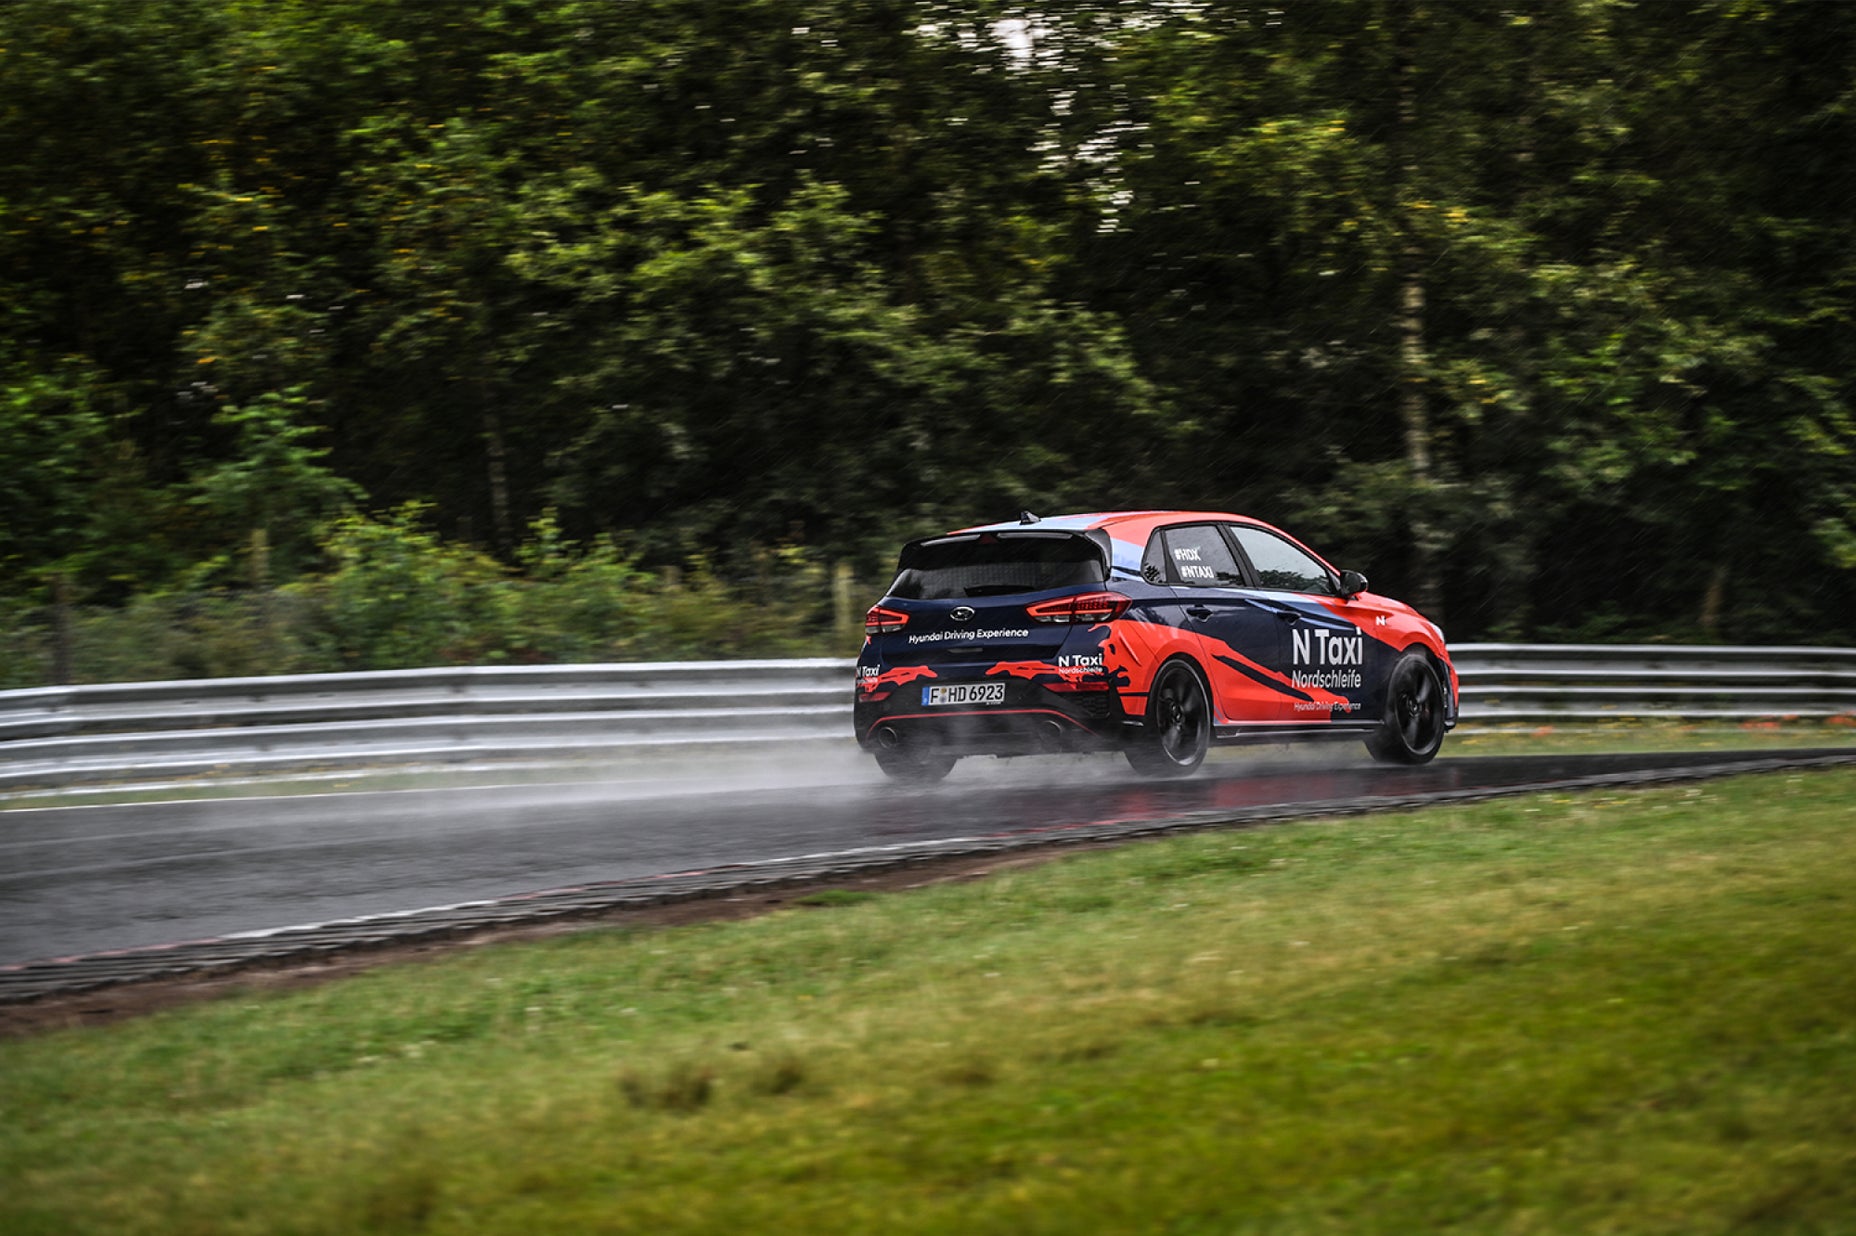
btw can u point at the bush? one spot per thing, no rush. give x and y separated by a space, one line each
574 602
396 596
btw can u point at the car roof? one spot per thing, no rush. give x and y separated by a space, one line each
1128 531
1107 520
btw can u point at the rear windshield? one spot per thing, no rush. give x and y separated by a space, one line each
992 565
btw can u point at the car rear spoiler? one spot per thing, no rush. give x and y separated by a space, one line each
911 552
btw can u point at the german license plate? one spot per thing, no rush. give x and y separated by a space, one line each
963 693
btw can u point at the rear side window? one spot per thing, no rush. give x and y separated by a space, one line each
993 565
1199 557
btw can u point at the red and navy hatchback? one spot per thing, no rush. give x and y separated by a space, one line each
1155 633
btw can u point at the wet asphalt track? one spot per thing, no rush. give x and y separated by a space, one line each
89 879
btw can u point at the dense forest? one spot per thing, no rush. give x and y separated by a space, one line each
513 315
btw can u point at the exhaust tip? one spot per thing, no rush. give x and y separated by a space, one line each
887 738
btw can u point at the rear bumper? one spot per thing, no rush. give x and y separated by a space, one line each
1030 720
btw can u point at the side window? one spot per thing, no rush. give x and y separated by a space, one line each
1198 555
1282 565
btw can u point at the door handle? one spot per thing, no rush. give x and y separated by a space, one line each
1198 611
1288 615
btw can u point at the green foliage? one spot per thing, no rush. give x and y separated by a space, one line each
396 596
391 594
576 602
50 438
1572 332
274 482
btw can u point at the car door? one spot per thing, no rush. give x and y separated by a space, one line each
1331 662
1241 633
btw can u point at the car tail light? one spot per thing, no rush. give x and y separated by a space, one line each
1090 607
880 621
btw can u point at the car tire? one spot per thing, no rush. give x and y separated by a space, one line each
1179 724
914 767
1413 728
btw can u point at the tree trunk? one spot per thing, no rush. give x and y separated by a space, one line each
63 653
497 458
1712 599
261 608
1427 538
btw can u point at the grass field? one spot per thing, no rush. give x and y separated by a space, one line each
1650 734
1614 1012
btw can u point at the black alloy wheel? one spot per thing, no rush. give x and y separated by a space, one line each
1179 725
1413 729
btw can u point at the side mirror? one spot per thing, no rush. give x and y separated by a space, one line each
1352 584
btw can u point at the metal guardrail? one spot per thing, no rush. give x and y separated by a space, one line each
1594 682
62 735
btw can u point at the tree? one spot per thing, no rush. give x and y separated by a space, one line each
1447 287
51 438
273 487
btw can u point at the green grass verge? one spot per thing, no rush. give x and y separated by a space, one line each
1649 734
1607 1012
